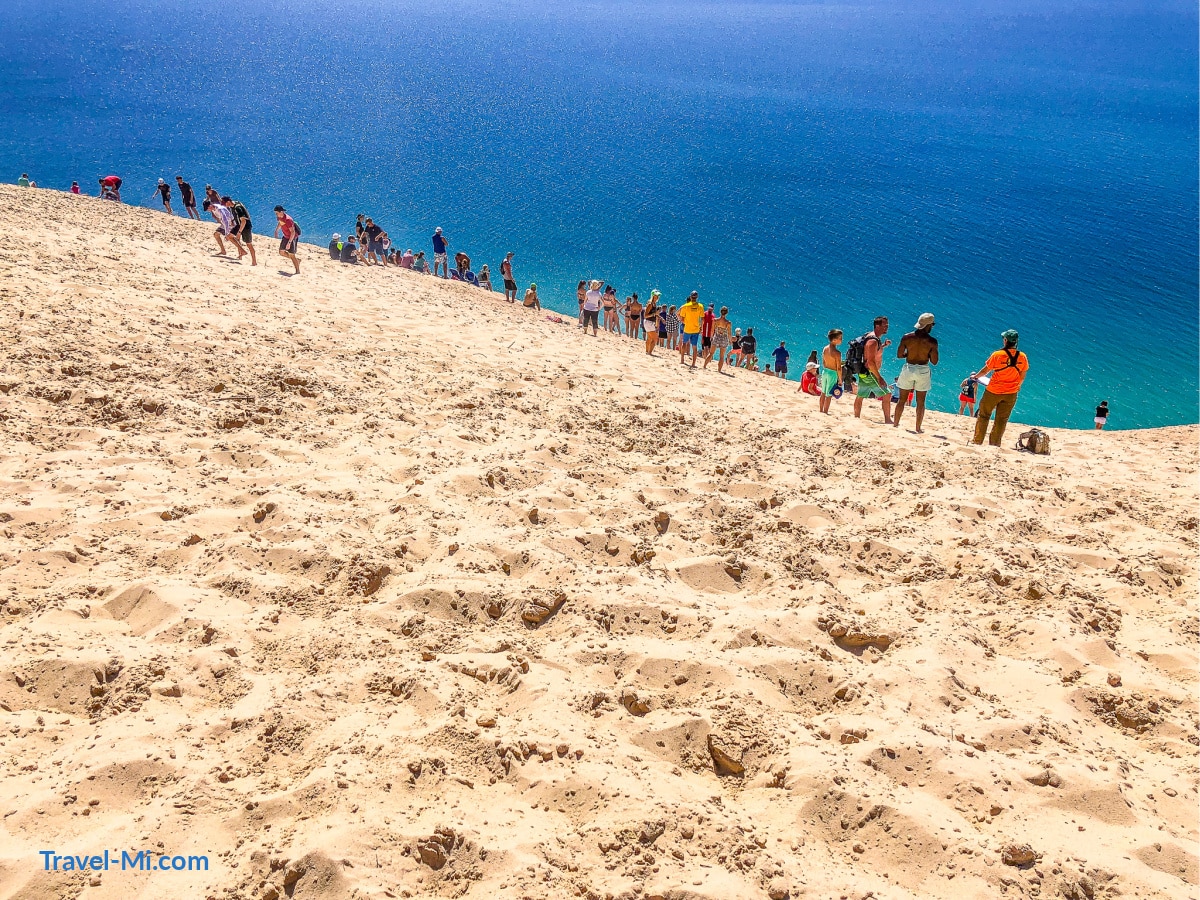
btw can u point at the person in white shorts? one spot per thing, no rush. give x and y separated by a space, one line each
919 350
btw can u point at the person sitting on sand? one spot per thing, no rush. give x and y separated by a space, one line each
1008 367
23 181
485 279
335 246
349 251
75 187
966 395
419 263
919 350
1102 415
831 369
406 260
531 300
809 381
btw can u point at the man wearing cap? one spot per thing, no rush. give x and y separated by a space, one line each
1007 367
439 253
164 191
691 316
919 350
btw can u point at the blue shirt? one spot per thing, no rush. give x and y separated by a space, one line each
781 356
439 244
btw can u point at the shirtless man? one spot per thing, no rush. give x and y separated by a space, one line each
873 385
919 350
831 369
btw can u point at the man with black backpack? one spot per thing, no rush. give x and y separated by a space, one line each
1007 368
864 358
242 225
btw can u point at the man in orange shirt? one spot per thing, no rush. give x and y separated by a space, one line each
691 316
1007 367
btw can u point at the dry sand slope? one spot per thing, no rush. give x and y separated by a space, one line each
368 585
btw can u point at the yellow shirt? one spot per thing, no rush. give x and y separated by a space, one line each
690 315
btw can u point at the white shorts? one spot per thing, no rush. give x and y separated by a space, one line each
914 378
1100 421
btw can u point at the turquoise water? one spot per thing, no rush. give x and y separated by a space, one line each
1015 164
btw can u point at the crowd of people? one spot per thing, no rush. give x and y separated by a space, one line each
696 332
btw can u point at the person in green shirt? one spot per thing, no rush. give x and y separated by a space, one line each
23 181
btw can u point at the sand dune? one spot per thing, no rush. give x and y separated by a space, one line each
368 585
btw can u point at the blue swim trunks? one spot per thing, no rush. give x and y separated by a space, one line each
693 339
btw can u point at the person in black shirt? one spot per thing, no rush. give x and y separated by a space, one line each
371 234
189 198
164 191
749 346
335 247
349 252
242 226
1102 415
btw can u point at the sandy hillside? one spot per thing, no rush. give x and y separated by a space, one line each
367 585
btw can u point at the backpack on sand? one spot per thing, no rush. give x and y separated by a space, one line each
1034 441
856 354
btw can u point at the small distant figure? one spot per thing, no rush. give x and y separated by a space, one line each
672 328
23 181
708 325
110 188
485 280
749 348
510 281
335 246
611 320
782 356
633 317
406 259
809 381
349 252
243 229
289 242
1102 415
1005 370
439 253
75 187
652 317
592 301
966 395
188 196
164 193
831 370
691 316
531 300
420 264
372 234
735 349
210 194
919 350
721 339
580 294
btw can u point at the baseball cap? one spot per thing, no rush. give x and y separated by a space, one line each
533 287
925 321
160 181
811 365
437 231
336 236
1010 336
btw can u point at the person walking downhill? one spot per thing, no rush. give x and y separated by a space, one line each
1102 415
1007 367
188 196
919 350
289 242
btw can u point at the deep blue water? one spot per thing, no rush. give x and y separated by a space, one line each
1002 164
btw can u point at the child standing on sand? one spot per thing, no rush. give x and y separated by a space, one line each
831 369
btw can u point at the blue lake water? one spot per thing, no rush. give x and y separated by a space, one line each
810 165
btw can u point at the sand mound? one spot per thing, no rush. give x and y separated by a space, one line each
368 585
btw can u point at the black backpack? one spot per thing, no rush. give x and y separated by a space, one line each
856 359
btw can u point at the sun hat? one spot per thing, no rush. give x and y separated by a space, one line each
811 365
1010 336
595 285
925 321
656 293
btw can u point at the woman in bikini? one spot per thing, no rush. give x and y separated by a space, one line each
610 308
633 317
651 316
581 292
